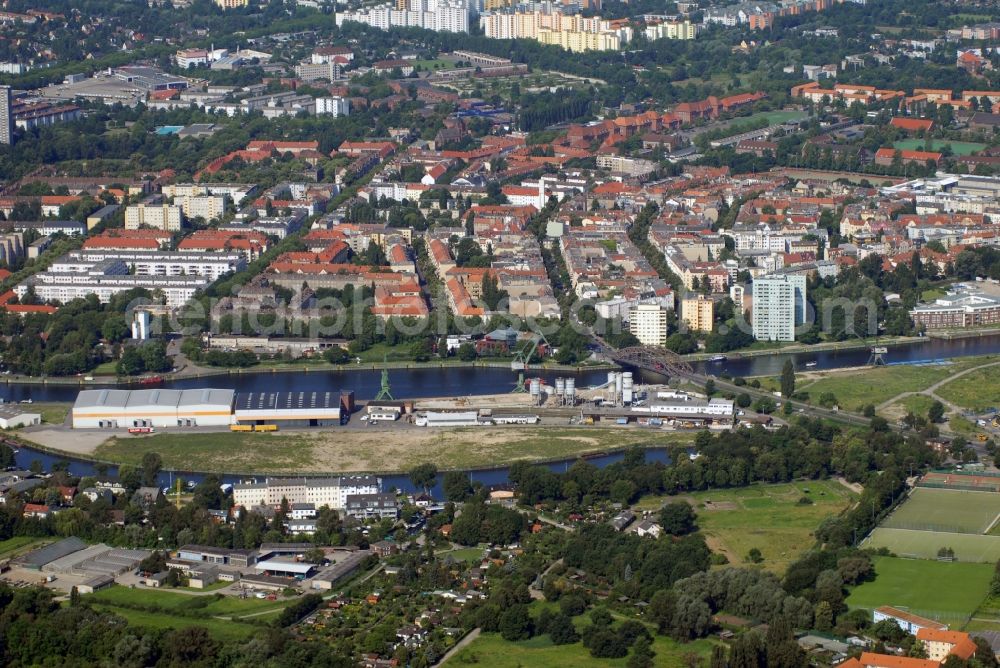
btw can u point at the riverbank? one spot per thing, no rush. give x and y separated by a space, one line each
371 450
950 334
312 367
798 348
741 361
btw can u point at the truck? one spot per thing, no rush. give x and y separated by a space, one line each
621 420
655 422
241 427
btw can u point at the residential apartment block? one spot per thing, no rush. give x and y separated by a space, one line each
698 313
6 115
648 323
672 30
330 492
570 31
168 217
779 306
437 15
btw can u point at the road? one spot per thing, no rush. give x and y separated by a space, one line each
459 646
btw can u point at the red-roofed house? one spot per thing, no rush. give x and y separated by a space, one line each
872 660
38 510
939 644
885 156
52 203
120 243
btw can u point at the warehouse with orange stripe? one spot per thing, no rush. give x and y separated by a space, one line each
164 408
125 409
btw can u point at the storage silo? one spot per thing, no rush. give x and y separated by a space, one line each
628 387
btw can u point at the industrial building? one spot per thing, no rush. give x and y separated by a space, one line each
218 556
299 570
73 556
114 409
459 419
36 559
344 564
12 417
291 409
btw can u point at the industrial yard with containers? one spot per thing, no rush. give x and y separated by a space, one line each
617 402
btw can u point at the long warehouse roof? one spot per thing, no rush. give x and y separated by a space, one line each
257 401
122 399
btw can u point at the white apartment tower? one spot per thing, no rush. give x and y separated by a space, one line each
6 116
333 106
648 323
779 306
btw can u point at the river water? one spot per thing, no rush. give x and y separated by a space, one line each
467 381
494 476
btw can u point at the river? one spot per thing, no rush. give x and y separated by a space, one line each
493 476
466 381
921 351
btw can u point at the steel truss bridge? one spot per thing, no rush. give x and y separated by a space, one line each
649 358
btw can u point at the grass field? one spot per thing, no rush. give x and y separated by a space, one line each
925 544
856 388
768 517
778 117
51 413
489 649
946 510
168 601
957 147
977 390
918 404
917 586
218 628
168 610
371 449
20 544
106 369
467 554
435 64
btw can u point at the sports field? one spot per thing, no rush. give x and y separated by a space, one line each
969 547
917 586
946 510
957 147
